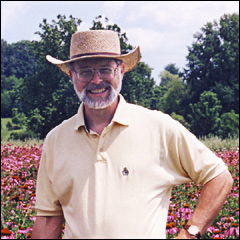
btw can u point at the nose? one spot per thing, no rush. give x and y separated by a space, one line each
96 78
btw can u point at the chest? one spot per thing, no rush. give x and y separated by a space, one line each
119 162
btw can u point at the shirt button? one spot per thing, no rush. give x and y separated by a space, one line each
94 136
101 150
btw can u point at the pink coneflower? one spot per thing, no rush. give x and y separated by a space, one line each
223 218
218 236
237 211
7 234
171 228
211 229
233 230
171 217
22 230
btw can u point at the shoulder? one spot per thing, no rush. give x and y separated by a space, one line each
63 129
148 116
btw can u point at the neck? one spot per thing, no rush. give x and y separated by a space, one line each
97 119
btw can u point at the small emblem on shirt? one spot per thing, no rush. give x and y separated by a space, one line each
125 172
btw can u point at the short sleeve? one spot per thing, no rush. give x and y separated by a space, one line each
198 162
47 203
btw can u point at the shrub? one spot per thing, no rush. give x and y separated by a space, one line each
22 135
229 125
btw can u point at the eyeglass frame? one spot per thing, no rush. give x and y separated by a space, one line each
71 67
98 72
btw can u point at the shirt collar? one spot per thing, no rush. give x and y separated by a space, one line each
120 116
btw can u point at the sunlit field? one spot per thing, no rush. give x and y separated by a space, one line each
19 165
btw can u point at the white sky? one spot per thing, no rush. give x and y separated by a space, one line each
162 29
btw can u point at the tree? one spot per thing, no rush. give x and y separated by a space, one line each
10 94
48 93
205 114
229 125
6 103
18 119
156 100
173 69
175 97
213 62
17 59
173 93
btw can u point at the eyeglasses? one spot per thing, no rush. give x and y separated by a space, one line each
86 74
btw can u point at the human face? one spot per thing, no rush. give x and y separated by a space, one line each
98 93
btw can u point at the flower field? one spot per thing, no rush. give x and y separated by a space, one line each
19 165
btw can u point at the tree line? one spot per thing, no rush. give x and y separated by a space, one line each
204 96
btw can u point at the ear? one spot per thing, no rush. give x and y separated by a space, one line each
71 74
122 68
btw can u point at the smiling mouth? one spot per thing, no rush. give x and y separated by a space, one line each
97 91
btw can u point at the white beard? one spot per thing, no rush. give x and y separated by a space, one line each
99 103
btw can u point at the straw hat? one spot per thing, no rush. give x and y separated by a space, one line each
96 44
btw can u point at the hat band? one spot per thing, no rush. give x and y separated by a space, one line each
96 53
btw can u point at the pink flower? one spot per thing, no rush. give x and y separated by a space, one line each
22 230
171 228
233 230
211 229
218 236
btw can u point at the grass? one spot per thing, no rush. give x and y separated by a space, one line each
215 143
5 133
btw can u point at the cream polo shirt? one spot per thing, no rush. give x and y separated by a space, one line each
118 185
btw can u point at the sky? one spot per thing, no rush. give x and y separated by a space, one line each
163 29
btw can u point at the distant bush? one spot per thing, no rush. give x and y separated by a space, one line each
229 124
19 119
22 135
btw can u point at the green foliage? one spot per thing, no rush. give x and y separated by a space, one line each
35 121
49 94
158 93
22 135
205 114
138 85
6 104
4 130
175 96
19 119
213 62
9 125
10 89
229 124
17 59
173 69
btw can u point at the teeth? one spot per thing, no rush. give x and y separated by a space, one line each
98 90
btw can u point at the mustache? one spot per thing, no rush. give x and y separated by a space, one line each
94 86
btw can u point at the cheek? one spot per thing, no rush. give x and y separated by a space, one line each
78 86
116 84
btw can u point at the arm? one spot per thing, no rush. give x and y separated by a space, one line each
48 227
212 198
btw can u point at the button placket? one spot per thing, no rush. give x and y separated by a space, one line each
100 150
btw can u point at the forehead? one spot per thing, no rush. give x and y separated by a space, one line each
94 62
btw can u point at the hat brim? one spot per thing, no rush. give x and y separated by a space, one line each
130 60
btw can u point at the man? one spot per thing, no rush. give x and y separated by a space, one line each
108 170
